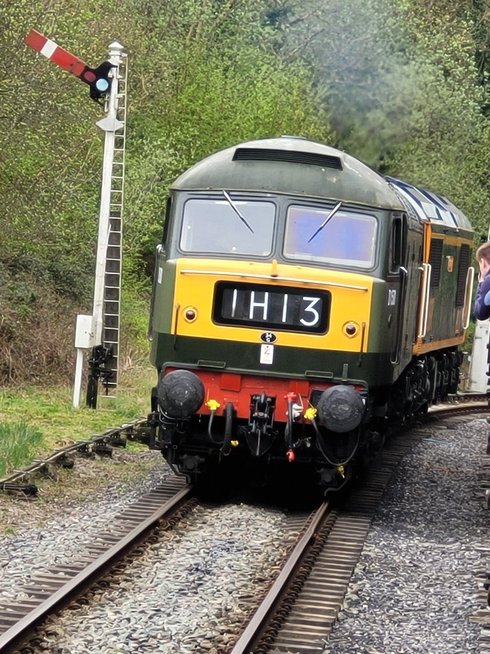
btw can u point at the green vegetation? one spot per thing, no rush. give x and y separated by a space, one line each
50 422
406 84
402 84
18 444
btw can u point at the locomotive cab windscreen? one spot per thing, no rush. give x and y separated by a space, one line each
227 226
323 234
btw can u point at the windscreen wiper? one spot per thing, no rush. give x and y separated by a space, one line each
237 210
330 215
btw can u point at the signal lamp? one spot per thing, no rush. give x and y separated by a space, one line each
98 79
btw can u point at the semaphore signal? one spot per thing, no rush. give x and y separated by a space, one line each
99 79
99 333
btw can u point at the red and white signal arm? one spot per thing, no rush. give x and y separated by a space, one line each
98 78
56 53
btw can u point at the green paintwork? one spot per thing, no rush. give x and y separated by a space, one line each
355 183
163 296
229 356
443 314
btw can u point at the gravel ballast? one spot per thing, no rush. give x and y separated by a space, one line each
416 585
67 526
413 590
188 593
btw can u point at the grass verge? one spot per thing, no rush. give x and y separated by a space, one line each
36 420
18 442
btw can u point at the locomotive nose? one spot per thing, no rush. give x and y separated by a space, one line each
340 408
180 393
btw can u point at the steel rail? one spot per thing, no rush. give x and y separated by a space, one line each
263 611
115 436
20 630
301 617
446 410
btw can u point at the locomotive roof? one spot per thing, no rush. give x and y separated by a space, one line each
297 166
291 165
430 206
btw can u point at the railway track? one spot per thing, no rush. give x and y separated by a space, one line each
21 481
55 588
137 431
299 610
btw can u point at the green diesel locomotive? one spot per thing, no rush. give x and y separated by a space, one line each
301 303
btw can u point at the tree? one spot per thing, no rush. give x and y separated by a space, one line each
203 74
402 88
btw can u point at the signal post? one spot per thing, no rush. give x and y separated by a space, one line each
99 333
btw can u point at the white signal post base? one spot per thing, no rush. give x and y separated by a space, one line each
84 338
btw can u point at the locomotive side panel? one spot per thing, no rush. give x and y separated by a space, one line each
449 258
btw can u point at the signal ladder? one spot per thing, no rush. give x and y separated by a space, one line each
111 315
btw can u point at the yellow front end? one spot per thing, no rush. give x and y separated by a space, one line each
349 311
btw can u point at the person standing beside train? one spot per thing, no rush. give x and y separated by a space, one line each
482 299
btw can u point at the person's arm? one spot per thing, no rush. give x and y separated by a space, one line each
482 299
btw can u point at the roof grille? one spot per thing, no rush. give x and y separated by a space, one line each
288 156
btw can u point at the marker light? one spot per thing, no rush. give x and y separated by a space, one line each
190 314
351 329
102 85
